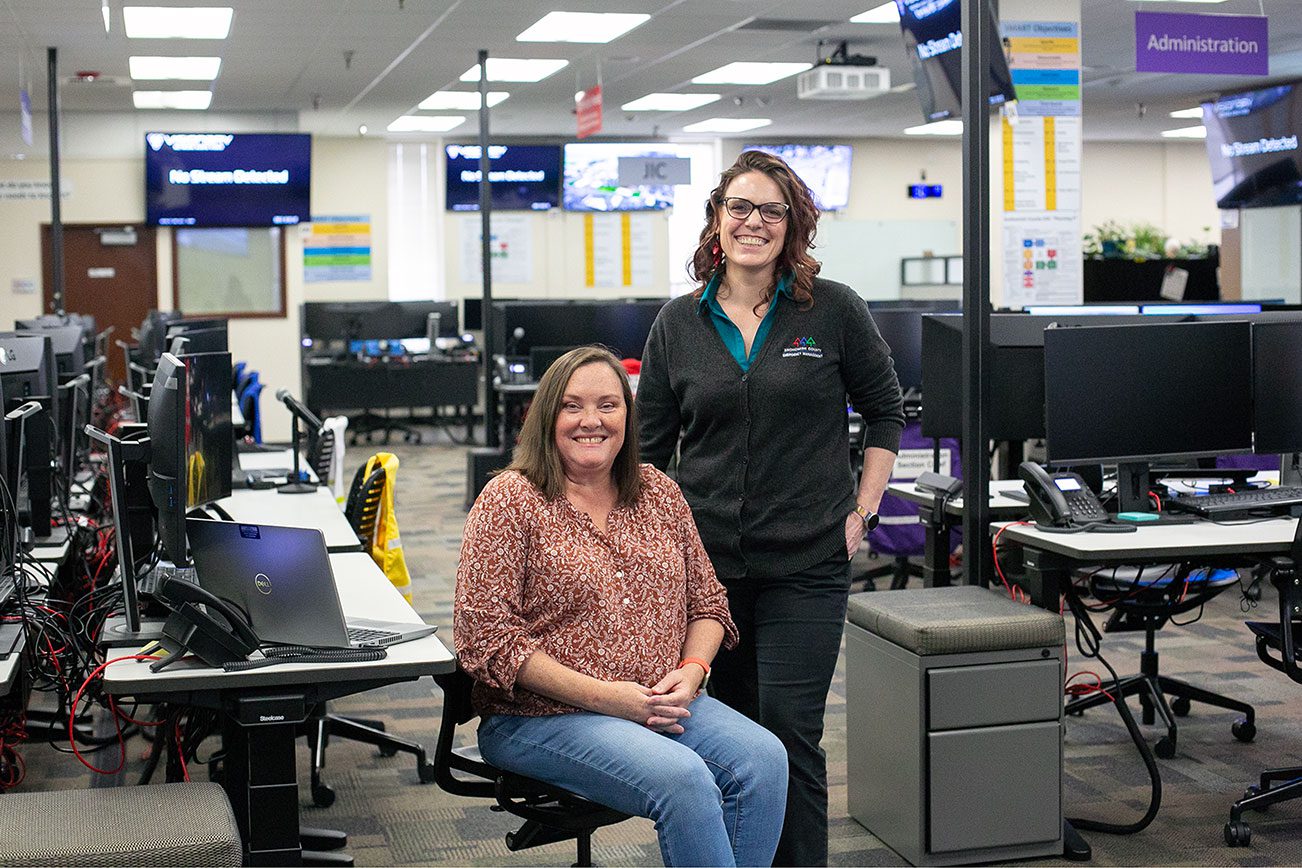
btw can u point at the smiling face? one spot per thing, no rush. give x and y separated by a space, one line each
590 424
751 244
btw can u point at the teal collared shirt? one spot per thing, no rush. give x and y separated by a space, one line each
728 330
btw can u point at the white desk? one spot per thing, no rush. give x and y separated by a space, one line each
316 509
262 709
935 565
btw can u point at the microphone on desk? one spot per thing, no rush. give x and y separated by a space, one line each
298 409
513 344
296 483
433 322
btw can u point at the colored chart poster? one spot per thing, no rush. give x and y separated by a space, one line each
510 248
1044 59
337 249
1042 163
1042 260
617 250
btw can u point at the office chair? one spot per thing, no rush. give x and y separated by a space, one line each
551 814
237 371
1146 598
250 400
1279 645
245 379
362 509
321 454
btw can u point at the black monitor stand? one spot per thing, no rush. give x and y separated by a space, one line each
1290 468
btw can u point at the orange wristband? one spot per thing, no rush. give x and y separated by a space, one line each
697 660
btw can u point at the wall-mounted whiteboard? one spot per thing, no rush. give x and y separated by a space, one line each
866 254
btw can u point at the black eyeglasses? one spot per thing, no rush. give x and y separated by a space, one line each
770 212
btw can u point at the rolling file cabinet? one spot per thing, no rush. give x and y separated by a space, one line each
954 724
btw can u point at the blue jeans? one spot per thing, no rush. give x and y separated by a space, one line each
717 792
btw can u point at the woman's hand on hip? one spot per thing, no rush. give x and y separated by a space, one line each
853 534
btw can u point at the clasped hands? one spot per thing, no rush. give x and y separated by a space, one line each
661 707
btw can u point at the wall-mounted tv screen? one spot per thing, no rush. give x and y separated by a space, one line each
592 177
825 169
1252 145
521 177
228 179
933 38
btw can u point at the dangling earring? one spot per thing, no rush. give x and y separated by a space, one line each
716 252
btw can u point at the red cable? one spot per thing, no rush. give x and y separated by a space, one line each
180 752
1018 595
72 716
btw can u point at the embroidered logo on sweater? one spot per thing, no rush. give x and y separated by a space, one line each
802 347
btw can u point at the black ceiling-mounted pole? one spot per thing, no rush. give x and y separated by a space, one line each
56 201
977 556
492 437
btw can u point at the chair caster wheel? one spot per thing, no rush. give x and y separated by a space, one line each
1165 747
1237 833
1180 707
426 773
323 796
1244 730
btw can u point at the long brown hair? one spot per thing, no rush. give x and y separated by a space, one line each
536 457
802 223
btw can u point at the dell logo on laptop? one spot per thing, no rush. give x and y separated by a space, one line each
262 583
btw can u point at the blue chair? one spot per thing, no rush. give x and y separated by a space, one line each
249 406
237 371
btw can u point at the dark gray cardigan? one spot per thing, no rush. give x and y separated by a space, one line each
764 461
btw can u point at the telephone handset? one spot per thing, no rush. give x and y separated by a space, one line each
221 634
1062 501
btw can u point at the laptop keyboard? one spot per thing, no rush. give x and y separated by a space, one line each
368 636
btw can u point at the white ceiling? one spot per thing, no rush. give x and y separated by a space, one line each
288 56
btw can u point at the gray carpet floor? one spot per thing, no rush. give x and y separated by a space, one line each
392 819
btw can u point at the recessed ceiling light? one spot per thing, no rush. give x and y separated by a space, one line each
1199 132
1188 113
180 68
177 22
887 13
581 27
750 72
426 123
1179 1
670 102
515 69
937 128
195 100
727 125
459 100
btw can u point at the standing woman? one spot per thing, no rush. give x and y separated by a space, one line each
752 372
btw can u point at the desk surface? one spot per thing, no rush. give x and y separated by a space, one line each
364 592
280 459
317 509
1166 542
999 504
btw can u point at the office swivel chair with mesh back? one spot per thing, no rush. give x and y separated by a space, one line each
362 509
1279 645
551 814
250 407
1146 599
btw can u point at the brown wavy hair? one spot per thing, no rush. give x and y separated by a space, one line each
536 457
802 224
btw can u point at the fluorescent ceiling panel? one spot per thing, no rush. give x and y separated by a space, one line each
1198 132
1188 113
670 102
460 100
727 125
426 123
748 72
937 128
174 68
195 100
516 69
177 22
595 27
887 13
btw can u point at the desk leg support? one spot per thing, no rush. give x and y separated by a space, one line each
935 563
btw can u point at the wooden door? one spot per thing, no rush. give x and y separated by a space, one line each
116 282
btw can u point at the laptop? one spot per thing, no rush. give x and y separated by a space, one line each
280 577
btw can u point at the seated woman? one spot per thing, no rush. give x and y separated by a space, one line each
588 613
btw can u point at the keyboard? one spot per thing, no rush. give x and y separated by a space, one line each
1275 500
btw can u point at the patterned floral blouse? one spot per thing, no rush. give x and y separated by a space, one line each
538 575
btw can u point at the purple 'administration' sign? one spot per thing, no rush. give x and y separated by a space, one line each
1185 42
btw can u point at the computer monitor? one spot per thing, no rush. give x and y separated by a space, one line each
378 320
1203 309
212 339
153 334
29 371
74 415
472 312
901 328
27 463
1277 387
1135 394
209 435
168 468
69 347
621 325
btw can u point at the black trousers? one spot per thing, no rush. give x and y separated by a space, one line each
779 675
